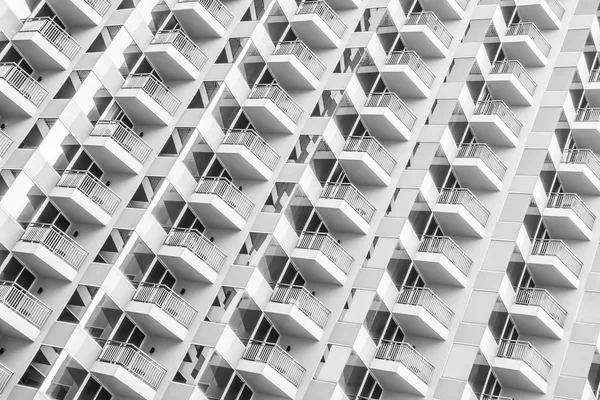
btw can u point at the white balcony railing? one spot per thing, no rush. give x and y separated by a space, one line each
543 299
178 39
492 397
373 148
133 360
92 187
257 146
558 248
231 195
155 89
125 137
22 82
167 300
301 51
467 199
277 358
326 13
351 195
277 95
483 152
588 114
586 157
573 202
100 6
412 60
424 297
54 34
524 351
518 71
595 75
304 300
556 8
57 242
397 106
430 20
5 375
529 29
216 9
198 244
446 246
24 303
499 108
5 142
405 354
327 245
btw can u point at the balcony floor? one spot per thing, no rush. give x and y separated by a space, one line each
437 269
155 321
538 12
263 378
444 9
241 163
416 320
141 108
551 271
587 134
213 211
491 130
532 320
43 262
518 375
402 80
170 63
340 217
186 265
14 325
291 73
563 223
506 87
290 320
578 178
120 381
423 41
313 31
394 376
267 117
362 169
39 52
315 266
75 13
456 220
473 173
384 124
79 207
197 21
14 103
111 155
522 48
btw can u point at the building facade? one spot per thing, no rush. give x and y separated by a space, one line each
291 199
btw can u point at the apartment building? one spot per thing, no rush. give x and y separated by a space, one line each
294 199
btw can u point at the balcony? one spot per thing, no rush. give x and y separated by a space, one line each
159 311
441 262
5 375
175 56
525 42
127 371
247 156
579 172
5 143
567 217
460 213
317 25
218 203
344 208
117 148
80 13
190 255
536 312
47 251
510 82
387 117
270 370
22 315
84 198
424 33
405 74
421 312
592 89
545 14
586 128
45 45
295 311
20 94
367 162
478 167
400 368
272 110
295 66
519 365
493 123
319 258
552 263
203 18
446 9
146 100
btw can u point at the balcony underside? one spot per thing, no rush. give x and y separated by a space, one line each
437 269
263 378
291 73
266 117
522 48
506 87
78 207
241 163
155 321
184 264
402 80
383 124
551 271
43 262
396 377
75 13
313 31
197 21
563 223
491 130
122 382
14 325
14 102
518 375
170 63
587 134
532 320
39 52
444 9
578 178
112 156
362 169
141 108
215 212
416 320
592 93
456 220
315 266
422 40
290 320
538 12
340 217
474 174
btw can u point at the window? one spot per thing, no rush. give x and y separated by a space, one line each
41 364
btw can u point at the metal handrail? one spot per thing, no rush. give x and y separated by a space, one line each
100 6
5 375
558 248
25 304
253 142
524 351
167 300
500 109
515 68
277 358
155 89
529 29
594 75
395 104
573 202
54 34
543 299
133 360
587 157
556 7
216 9
326 244
303 53
304 300
446 246
373 148
351 195
178 39
5 142
588 114
92 187
57 242
467 199
231 195
405 354
431 20
326 13
124 137
22 82
277 95
198 244
424 297
483 152
412 59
